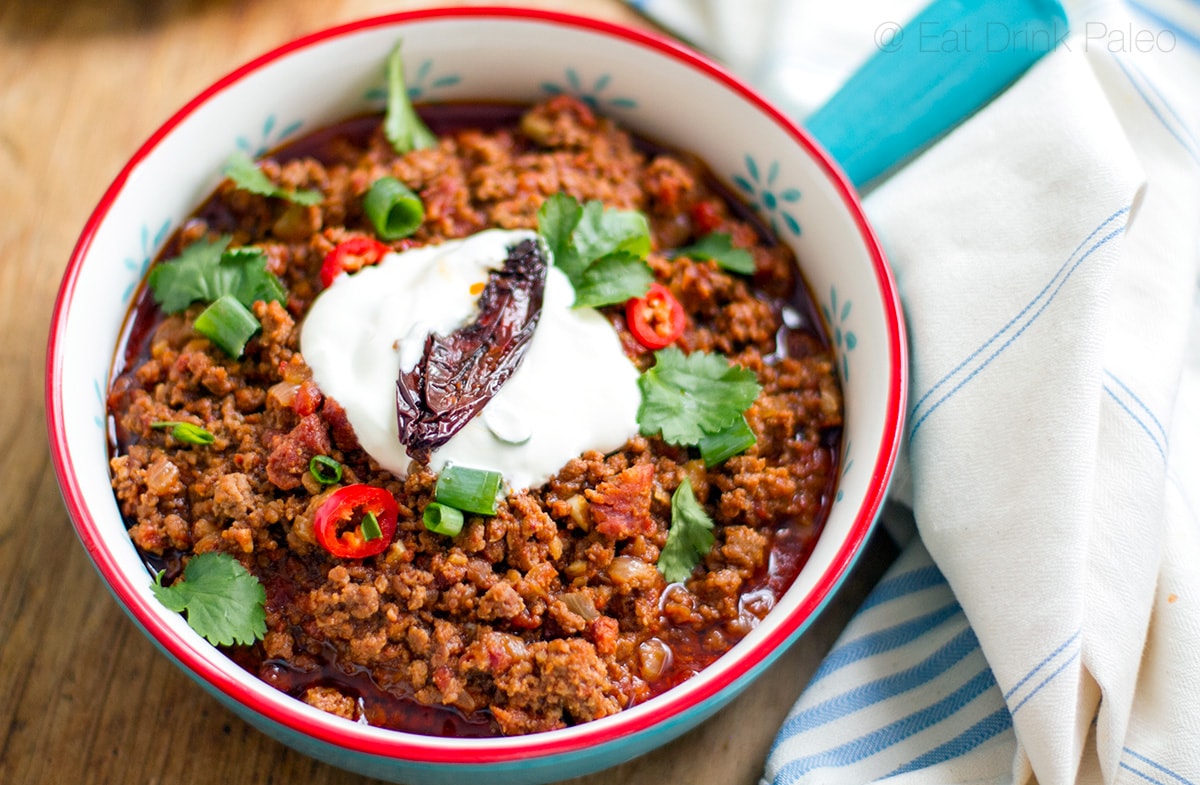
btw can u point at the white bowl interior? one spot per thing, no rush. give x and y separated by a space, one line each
653 92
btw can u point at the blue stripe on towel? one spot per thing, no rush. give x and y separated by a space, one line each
1184 35
1008 695
1074 656
1143 775
1103 241
891 734
902 585
983 731
995 337
1180 133
1178 778
1158 426
1154 440
1184 128
889 686
885 640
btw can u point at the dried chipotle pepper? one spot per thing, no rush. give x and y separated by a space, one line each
459 373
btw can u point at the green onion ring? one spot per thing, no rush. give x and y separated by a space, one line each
394 210
442 519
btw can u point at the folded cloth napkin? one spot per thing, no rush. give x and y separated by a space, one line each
1045 624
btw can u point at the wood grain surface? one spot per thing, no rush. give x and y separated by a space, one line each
84 696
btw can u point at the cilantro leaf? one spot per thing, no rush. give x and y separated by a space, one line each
718 247
613 279
687 396
602 251
557 218
223 601
401 124
205 271
244 274
690 537
184 280
247 176
602 231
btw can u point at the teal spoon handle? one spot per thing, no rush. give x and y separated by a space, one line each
929 75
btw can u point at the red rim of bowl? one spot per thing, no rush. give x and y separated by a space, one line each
389 744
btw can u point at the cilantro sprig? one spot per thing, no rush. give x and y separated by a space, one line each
205 271
223 601
686 397
690 537
601 250
718 247
247 176
401 124
231 280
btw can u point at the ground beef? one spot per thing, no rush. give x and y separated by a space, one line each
551 612
621 506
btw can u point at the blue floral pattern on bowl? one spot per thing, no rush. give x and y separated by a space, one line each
590 95
138 264
98 389
847 462
844 340
771 202
135 266
417 87
270 136
420 84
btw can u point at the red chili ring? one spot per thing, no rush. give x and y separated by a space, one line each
349 505
657 319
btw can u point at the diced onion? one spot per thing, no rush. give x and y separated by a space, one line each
580 603
654 657
633 572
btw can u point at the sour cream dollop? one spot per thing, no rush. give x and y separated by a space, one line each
575 390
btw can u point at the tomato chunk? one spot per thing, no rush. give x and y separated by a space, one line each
657 319
350 256
343 524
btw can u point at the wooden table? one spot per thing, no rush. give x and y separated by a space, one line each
84 697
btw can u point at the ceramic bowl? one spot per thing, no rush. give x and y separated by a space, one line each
658 89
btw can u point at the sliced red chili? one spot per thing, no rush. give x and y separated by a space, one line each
338 524
657 319
350 256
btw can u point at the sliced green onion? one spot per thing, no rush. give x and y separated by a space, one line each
186 432
394 210
370 527
442 519
473 490
228 324
326 470
718 447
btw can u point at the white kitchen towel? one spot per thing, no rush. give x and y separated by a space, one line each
1047 253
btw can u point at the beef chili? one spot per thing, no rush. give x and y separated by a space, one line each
554 610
